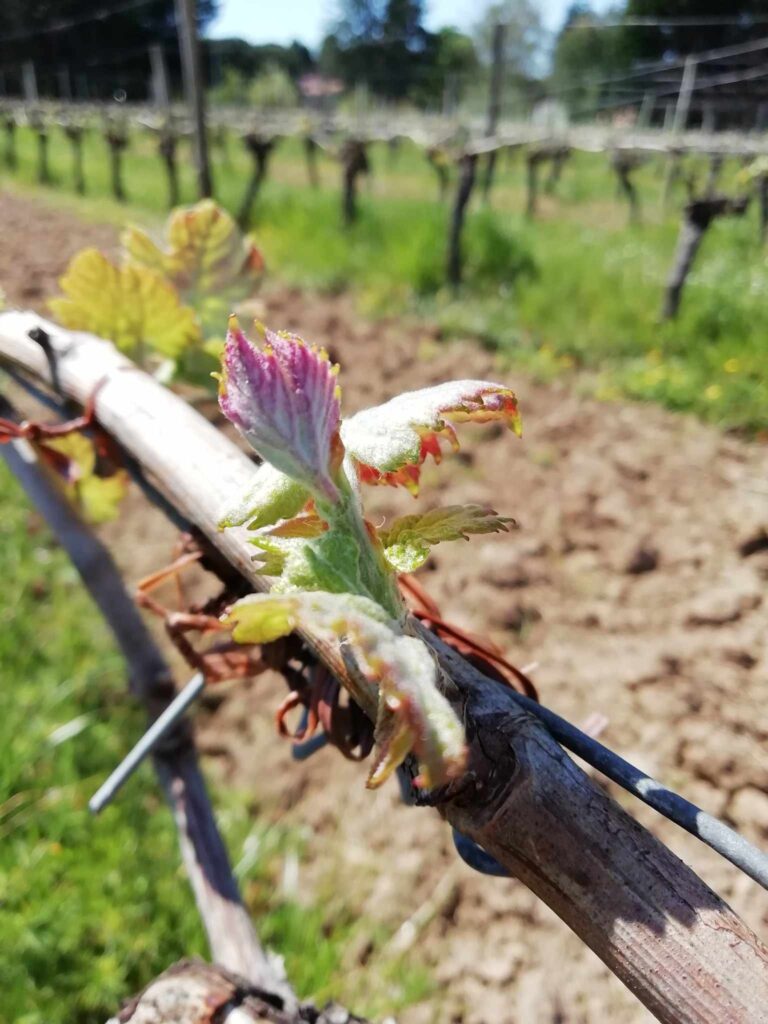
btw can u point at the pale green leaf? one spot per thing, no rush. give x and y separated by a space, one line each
413 714
133 307
408 540
272 496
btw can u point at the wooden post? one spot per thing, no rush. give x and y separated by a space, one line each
29 81
496 79
194 91
494 102
668 937
160 92
697 217
467 168
646 110
684 96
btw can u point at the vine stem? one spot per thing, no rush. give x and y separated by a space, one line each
658 927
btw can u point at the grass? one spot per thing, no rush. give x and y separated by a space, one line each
576 289
93 909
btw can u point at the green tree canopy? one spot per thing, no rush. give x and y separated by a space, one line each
101 45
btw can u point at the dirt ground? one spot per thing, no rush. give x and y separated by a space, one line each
631 583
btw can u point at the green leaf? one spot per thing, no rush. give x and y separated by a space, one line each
408 540
131 306
272 496
207 259
413 714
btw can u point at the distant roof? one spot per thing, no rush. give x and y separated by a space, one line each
313 85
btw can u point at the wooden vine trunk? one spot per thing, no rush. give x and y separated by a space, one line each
697 218
354 162
193 992
167 147
9 155
74 133
664 933
260 149
466 182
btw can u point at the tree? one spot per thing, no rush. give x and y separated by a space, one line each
228 56
382 44
101 53
654 43
524 37
585 53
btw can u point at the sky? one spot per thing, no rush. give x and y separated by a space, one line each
282 21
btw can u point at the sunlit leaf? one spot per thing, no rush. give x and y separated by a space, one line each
391 441
285 400
413 714
206 257
272 496
134 307
408 540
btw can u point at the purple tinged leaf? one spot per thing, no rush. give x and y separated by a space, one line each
284 398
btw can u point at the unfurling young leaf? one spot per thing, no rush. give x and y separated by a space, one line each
207 259
272 496
391 441
284 398
336 574
134 307
413 714
409 538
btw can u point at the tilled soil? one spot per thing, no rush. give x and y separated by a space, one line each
636 583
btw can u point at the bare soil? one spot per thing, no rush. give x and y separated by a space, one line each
636 583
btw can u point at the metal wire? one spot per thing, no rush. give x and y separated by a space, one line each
711 831
141 750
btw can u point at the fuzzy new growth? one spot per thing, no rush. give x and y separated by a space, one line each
336 573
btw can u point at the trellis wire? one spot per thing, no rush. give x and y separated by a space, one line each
141 750
714 833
